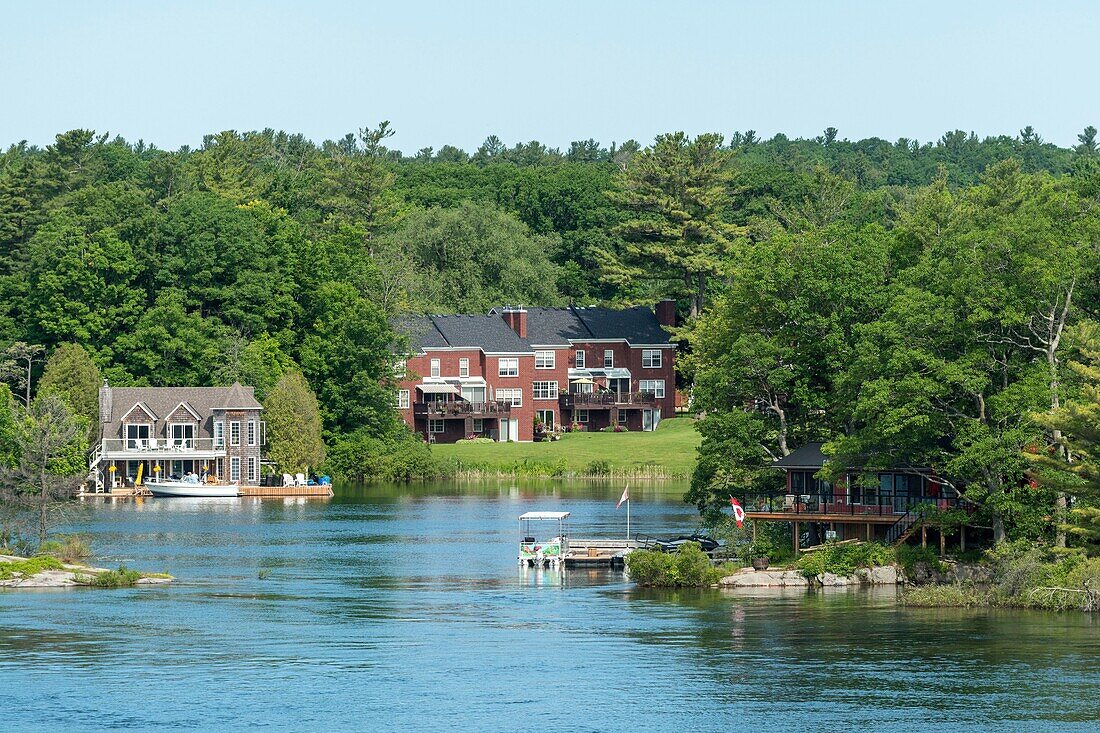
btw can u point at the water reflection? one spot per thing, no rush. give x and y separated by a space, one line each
403 607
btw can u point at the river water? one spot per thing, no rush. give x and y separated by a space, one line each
398 608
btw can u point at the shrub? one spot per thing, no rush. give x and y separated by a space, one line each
400 456
28 567
598 467
689 567
70 548
844 559
121 578
909 556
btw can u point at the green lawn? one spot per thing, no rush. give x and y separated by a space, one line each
668 452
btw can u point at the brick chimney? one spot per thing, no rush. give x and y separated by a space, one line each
516 318
666 313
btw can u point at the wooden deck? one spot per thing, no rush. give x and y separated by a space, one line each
839 518
597 552
283 491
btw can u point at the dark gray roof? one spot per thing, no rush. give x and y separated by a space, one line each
115 402
808 456
488 333
554 326
421 332
638 325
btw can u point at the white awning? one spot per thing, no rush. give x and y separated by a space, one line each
472 381
543 515
437 388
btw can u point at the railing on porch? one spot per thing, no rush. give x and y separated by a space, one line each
144 446
461 408
606 399
882 505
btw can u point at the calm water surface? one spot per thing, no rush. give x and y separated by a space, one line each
403 609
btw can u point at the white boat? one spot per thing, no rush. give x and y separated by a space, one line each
192 488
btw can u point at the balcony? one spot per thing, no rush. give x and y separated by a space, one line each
840 507
462 409
136 449
606 400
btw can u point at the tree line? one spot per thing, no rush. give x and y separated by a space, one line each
852 291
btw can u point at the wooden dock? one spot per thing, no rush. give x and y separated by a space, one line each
284 491
597 552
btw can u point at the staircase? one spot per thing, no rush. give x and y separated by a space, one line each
93 464
902 529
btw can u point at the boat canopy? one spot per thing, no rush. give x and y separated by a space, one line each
438 388
543 515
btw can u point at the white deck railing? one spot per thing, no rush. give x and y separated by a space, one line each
156 447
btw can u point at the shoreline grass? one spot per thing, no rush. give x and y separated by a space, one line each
667 453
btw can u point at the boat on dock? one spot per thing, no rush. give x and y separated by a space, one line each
192 489
560 551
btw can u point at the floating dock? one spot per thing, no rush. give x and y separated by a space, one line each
265 492
598 552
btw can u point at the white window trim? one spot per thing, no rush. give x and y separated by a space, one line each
235 468
464 367
656 386
513 394
579 359
172 438
434 367
608 358
403 399
544 390
508 367
435 427
219 433
126 433
252 468
544 355
235 441
581 416
479 425
654 357
251 434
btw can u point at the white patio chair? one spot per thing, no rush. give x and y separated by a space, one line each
300 479
288 480
153 444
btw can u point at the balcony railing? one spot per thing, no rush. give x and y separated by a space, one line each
607 399
462 408
883 505
155 447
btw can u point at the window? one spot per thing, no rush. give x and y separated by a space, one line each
544 390
402 399
656 386
508 367
546 417
400 366
183 434
435 367
479 425
435 426
544 360
251 432
252 472
234 469
137 436
608 359
219 434
234 433
514 396
463 367
580 358
651 358
581 416
622 417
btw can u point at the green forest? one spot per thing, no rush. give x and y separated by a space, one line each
926 303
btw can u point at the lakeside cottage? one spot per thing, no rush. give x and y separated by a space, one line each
172 431
865 504
503 374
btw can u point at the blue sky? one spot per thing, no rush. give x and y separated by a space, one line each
455 72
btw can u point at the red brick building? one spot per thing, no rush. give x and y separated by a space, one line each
518 371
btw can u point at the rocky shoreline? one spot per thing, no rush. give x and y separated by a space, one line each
69 575
921 574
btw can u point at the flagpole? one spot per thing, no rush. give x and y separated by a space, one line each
628 518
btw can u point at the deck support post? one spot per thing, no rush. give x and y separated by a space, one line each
943 542
794 537
924 536
962 538
868 531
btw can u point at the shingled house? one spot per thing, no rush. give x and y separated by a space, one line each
170 431
500 375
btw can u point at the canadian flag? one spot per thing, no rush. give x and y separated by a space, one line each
624 497
738 511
